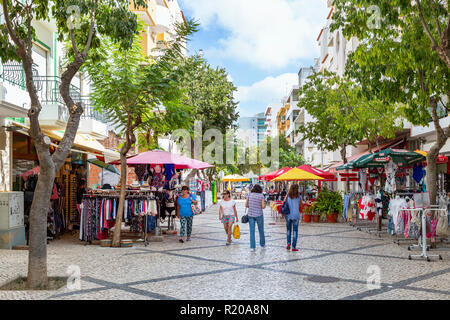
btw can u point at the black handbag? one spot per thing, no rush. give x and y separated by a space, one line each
244 218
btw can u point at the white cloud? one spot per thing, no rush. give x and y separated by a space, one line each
268 34
267 91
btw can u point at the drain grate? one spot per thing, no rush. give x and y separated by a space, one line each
322 279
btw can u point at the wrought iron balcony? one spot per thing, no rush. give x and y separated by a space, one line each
48 90
90 112
13 72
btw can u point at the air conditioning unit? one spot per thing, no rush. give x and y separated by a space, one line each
2 92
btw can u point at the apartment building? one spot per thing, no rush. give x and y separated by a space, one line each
270 123
252 130
159 20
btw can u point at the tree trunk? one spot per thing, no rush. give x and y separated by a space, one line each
37 253
123 189
344 158
130 141
441 139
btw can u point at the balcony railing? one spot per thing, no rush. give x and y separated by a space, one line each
48 90
13 72
90 112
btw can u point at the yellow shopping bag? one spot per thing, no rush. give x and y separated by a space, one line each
236 232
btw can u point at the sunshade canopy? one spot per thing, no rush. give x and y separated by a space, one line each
296 174
400 157
272 175
104 165
163 157
440 159
317 172
234 178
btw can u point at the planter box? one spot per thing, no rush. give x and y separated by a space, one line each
307 218
316 218
332 218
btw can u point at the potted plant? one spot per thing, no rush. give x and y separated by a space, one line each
307 214
329 204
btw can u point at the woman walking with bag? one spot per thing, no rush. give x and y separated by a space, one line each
293 199
228 214
255 204
184 212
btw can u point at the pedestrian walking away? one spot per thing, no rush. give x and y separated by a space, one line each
184 213
294 200
228 214
256 204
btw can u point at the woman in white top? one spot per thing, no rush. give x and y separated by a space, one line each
228 213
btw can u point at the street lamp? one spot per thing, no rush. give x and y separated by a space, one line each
200 53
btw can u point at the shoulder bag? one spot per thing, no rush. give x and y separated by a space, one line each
244 218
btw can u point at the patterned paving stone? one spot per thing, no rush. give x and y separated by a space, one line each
205 268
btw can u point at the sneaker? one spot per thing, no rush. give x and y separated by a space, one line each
252 250
228 243
263 247
294 249
188 239
181 240
288 247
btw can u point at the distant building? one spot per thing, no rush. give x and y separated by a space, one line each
252 130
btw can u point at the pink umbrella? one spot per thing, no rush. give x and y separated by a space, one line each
163 157
30 173
272 175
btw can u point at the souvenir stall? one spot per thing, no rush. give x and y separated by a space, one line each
100 210
203 190
63 213
159 173
382 177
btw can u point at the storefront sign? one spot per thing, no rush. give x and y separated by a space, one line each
382 159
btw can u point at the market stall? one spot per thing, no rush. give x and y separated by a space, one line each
149 200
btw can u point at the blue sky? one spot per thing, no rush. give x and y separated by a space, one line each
261 43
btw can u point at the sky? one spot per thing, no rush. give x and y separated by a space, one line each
261 43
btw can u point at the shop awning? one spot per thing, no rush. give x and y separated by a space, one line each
357 156
82 142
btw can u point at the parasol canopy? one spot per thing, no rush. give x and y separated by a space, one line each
103 165
317 172
348 166
234 178
251 175
297 174
440 159
400 157
163 157
272 175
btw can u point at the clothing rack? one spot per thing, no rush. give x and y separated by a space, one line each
131 195
423 238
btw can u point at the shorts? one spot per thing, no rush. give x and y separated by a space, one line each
226 219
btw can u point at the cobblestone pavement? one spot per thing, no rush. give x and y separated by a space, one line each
334 262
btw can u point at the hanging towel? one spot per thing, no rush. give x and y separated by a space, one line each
418 172
169 171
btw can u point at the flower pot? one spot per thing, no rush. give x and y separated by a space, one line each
316 218
307 218
332 218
